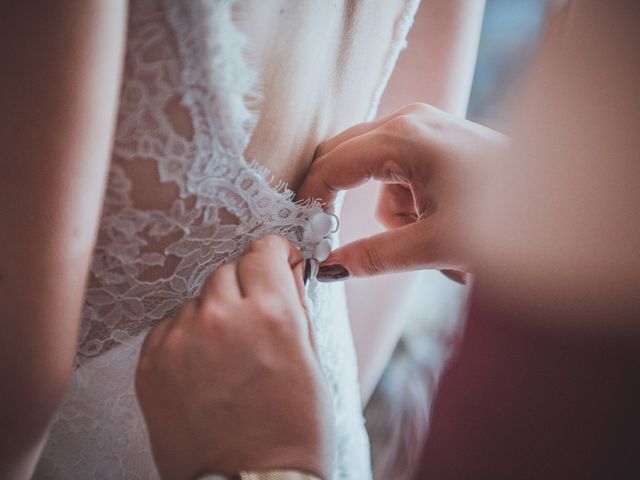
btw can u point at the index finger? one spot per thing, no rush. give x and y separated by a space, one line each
351 164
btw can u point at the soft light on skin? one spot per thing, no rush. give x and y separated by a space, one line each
555 226
330 56
59 104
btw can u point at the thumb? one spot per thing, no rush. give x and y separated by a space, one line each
410 247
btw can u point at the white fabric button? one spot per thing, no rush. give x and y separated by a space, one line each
320 226
322 251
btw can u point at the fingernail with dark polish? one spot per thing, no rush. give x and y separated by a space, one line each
332 273
307 271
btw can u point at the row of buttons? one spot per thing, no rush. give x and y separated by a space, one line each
320 228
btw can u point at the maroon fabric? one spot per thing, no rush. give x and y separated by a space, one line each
520 402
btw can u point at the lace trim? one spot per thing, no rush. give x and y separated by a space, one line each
212 82
98 432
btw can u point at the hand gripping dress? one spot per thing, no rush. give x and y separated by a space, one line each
148 261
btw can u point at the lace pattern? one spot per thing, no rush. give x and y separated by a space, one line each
147 261
208 168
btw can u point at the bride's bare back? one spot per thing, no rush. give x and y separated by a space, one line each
181 199
320 67
174 209
323 65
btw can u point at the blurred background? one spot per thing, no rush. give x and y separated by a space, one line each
397 414
510 33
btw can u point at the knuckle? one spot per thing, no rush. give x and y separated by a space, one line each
216 317
267 243
174 341
266 308
321 149
416 117
273 314
423 110
406 125
401 124
210 312
418 107
392 170
275 323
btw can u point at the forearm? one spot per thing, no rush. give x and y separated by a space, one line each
61 63
436 68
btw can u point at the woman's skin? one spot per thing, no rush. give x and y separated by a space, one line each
426 159
317 75
584 201
261 295
60 99
549 222
327 56
61 65
569 191
552 221
436 68
322 53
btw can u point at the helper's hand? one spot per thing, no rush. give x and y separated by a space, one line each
427 159
233 383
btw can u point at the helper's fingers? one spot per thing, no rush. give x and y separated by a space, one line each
396 206
159 332
268 268
360 152
357 130
352 132
410 247
352 163
221 284
155 336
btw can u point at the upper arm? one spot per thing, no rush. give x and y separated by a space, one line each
438 64
58 89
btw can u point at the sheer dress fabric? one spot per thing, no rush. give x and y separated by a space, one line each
147 262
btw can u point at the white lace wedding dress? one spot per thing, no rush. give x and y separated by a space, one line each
147 262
